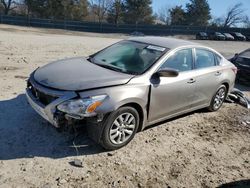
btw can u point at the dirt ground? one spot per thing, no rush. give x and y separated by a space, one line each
199 149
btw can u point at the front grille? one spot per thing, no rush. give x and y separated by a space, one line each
44 98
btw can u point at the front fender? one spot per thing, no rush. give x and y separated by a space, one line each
118 96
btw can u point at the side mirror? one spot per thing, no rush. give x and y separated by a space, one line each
168 72
235 57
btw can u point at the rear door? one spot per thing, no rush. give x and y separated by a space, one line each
207 75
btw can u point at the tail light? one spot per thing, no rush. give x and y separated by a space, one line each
235 70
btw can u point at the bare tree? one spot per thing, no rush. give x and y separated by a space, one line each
164 15
234 16
246 22
100 8
217 22
7 5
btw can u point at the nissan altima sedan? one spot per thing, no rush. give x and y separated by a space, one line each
130 85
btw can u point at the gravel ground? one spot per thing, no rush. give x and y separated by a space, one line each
199 149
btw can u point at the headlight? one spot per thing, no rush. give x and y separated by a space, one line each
82 107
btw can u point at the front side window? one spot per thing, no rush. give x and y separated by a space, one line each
181 60
128 57
204 59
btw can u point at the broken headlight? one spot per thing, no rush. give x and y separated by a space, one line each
82 107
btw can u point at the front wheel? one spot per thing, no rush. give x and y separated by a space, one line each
218 99
120 128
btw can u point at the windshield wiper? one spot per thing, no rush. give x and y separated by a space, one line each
110 67
117 69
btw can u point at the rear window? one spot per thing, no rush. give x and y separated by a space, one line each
245 54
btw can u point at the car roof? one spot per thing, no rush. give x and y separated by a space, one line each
170 43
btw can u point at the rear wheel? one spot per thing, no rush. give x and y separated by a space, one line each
218 99
120 128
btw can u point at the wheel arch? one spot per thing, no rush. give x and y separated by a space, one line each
225 83
139 109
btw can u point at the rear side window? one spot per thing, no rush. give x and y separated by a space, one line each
204 59
218 59
181 60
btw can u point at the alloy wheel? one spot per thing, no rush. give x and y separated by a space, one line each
219 98
122 128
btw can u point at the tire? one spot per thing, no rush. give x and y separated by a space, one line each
120 128
218 99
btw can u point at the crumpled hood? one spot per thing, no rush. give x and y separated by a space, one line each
78 74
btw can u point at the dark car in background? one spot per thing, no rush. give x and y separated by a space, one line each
238 36
137 34
228 36
248 37
216 36
201 36
242 62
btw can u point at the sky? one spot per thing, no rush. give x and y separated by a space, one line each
218 7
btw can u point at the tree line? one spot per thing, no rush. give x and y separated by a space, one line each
194 13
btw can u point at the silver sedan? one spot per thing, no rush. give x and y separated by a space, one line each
130 85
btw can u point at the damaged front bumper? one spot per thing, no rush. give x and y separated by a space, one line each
36 95
45 102
238 97
47 112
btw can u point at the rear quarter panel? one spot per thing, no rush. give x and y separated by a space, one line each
228 75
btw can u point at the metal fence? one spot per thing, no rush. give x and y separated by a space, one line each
111 28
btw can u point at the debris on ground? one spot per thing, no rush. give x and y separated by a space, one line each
76 163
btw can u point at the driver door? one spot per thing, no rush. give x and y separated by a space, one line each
173 95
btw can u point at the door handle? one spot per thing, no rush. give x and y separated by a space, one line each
191 81
218 73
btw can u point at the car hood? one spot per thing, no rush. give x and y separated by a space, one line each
76 74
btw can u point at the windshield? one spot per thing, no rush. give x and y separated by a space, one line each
217 33
128 57
238 34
